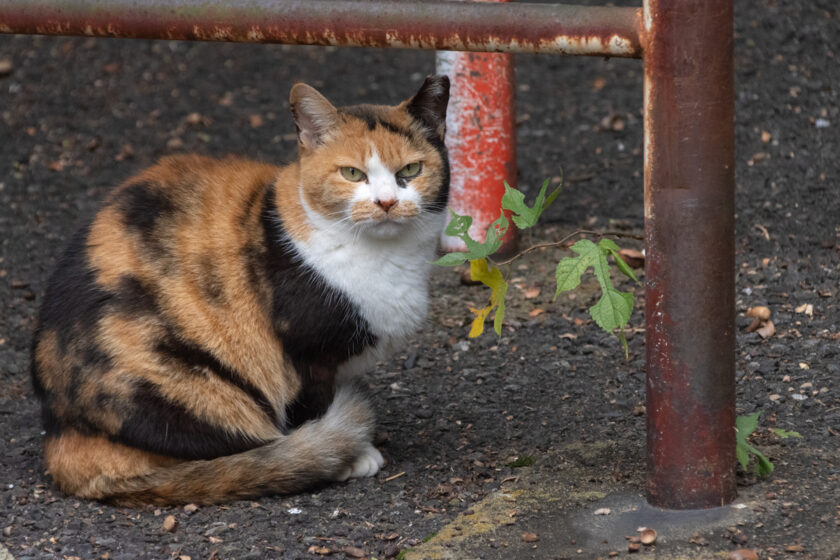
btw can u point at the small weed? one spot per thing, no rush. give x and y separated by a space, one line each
524 461
429 537
746 425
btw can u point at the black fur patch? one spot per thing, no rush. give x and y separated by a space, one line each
164 427
191 356
326 328
135 299
372 119
253 201
73 302
73 305
143 206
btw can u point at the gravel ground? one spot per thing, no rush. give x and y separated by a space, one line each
79 115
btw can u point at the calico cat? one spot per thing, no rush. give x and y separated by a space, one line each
198 340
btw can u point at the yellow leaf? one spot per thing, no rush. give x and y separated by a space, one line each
491 277
478 323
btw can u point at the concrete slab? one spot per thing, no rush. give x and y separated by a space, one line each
543 515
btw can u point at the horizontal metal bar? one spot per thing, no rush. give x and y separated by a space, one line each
462 26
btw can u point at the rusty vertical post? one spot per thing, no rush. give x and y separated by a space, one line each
481 138
690 264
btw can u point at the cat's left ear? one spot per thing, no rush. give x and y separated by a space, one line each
314 115
429 104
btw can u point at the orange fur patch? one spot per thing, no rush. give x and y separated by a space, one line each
78 463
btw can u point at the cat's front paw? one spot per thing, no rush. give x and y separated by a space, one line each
368 463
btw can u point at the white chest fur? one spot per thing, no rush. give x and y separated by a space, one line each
386 279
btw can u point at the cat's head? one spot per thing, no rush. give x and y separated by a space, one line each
374 168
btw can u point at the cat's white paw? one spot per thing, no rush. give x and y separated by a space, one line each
368 463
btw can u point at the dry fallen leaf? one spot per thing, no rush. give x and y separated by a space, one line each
767 330
648 537
531 293
806 308
794 548
530 537
633 258
535 312
322 550
170 524
743 554
354 552
603 511
759 312
615 122
6 66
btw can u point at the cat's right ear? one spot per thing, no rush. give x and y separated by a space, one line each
314 115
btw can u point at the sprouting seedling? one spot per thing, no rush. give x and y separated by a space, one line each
610 313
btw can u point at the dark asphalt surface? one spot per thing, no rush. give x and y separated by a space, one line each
79 115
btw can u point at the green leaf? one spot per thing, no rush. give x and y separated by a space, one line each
608 244
570 269
743 455
624 346
568 273
451 259
784 434
624 267
746 425
763 466
613 249
491 277
458 226
584 247
553 196
525 216
493 238
612 310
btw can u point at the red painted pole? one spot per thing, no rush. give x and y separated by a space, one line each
480 137
690 262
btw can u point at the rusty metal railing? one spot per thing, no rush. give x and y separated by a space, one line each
531 28
689 164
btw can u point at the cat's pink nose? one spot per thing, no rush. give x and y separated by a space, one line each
386 204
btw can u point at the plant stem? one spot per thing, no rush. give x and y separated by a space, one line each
565 239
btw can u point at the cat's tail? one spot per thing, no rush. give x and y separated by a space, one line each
320 450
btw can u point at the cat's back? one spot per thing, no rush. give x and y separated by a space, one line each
183 206
161 270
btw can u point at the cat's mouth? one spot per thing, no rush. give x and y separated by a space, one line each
379 212
385 228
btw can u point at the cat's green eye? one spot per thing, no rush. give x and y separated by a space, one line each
352 174
410 170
